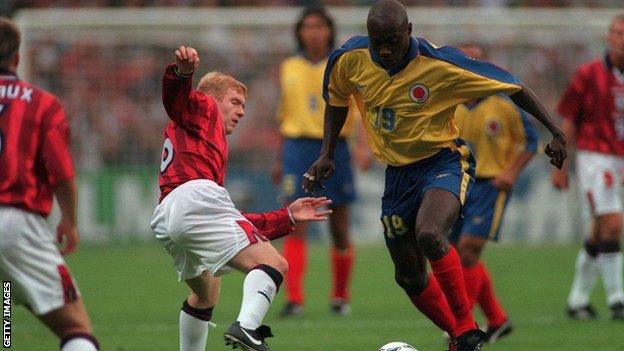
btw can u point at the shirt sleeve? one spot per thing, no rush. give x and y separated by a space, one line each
186 107
336 86
570 106
273 225
55 149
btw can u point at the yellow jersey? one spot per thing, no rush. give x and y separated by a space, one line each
496 129
301 107
408 110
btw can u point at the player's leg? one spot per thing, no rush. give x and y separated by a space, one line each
265 269
71 324
410 273
342 256
609 226
469 249
296 254
438 211
586 274
196 311
297 156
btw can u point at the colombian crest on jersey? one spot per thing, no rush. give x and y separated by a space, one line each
419 93
492 127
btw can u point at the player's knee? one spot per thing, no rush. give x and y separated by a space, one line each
413 285
431 242
280 264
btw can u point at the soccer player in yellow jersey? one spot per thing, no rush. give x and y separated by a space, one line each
408 90
301 127
503 140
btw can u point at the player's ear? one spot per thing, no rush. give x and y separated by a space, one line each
16 60
409 29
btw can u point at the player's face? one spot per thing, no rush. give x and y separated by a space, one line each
315 33
391 44
616 40
232 108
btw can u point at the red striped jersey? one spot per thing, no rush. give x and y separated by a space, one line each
594 102
195 144
34 145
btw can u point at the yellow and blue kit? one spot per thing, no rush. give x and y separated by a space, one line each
497 130
408 115
301 113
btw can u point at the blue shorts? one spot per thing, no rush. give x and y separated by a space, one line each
297 157
483 212
449 169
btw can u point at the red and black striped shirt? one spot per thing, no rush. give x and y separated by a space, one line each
34 145
195 142
594 102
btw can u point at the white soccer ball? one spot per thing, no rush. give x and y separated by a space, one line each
397 346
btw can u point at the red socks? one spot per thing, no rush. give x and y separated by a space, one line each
432 303
449 273
295 253
342 265
488 302
473 281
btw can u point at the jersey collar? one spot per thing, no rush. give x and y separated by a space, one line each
7 75
412 53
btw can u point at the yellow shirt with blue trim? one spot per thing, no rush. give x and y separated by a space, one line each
497 130
408 110
301 107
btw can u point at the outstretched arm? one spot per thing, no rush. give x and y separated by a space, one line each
323 167
556 149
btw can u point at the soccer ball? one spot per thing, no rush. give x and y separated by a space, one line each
397 346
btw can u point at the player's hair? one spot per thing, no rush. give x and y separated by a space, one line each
315 11
9 42
217 84
615 19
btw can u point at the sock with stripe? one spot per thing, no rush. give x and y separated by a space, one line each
194 327
259 289
585 275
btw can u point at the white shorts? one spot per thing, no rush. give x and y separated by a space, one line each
201 229
600 180
30 259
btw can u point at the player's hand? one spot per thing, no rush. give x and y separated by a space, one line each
276 173
186 59
560 179
320 170
67 236
310 209
556 150
504 182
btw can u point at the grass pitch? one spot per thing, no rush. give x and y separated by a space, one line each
133 298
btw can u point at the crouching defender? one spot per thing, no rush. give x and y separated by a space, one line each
197 222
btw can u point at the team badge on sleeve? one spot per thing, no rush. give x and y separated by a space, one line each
419 93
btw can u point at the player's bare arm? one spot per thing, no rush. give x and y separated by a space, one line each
186 60
560 177
507 179
310 209
323 167
66 231
556 149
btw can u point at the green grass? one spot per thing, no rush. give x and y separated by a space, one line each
133 298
